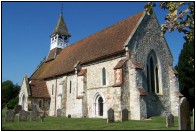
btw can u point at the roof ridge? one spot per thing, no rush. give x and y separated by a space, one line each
117 23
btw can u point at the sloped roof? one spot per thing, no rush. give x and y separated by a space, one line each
120 64
39 89
107 42
61 28
82 72
142 91
53 53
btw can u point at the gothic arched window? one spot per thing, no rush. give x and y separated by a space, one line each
152 73
103 76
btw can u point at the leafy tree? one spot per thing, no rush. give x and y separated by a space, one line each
13 102
9 91
186 70
181 17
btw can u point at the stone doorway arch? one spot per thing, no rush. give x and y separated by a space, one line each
99 105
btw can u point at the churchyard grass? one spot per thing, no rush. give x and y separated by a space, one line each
62 123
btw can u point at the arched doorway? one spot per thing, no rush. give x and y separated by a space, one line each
100 106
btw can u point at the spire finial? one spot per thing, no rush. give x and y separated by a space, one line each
61 9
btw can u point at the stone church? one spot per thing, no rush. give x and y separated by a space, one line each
125 66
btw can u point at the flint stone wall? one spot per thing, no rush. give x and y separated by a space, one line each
148 37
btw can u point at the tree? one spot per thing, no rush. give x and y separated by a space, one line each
186 70
9 91
13 102
181 17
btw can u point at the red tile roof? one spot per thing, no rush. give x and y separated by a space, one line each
53 53
137 64
117 85
82 72
142 91
79 97
120 64
104 43
38 89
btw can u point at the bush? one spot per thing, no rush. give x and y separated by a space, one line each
12 103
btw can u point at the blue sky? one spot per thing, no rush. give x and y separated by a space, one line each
26 27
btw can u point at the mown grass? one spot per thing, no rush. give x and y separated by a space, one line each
62 123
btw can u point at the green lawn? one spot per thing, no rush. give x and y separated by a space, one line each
62 123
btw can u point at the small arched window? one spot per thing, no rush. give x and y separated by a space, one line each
52 89
103 76
70 87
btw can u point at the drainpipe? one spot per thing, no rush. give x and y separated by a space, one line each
55 98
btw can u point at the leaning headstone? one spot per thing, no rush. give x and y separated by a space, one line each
23 115
169 120
17 108
110 116
125 115
59 112
9 116
184 117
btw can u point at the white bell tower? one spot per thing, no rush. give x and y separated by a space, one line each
59 41
60 35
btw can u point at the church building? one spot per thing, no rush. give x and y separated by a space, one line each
125 66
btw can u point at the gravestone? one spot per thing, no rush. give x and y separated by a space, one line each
169 120
69 116
125 115
184 117
34 108
59 112
110 115
17 108
193 119
33 115
23 115
9 116
42 116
